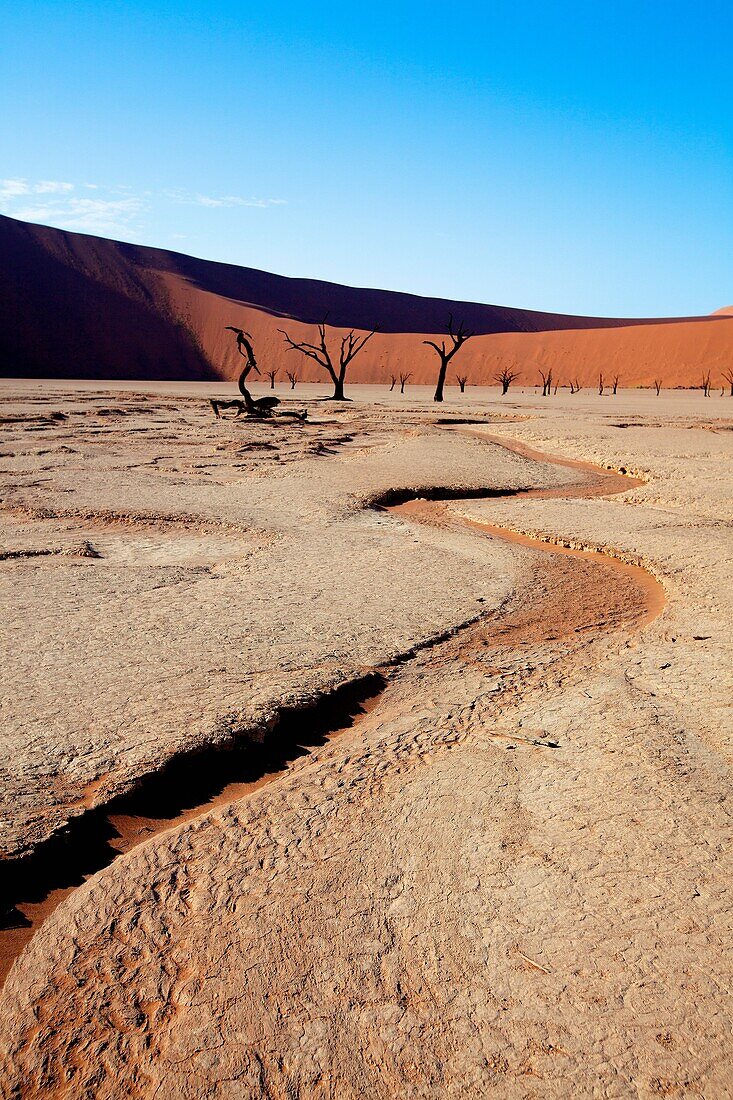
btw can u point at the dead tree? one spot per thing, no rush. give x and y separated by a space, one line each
572 386
351 345
705 384
217 406
263 407
292 378
461 379
727 373
392 382
600 385
458 338
555 389
244 346
578 386
546 377
403 380
271 374
657 385
257 409
615 384
505 378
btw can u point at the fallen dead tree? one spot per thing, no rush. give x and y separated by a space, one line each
261 408
253 412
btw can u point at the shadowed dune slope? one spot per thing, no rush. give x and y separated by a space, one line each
76 306
72 306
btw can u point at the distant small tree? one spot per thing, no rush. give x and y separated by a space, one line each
461 379
615 384
351 345
555 389
393 382
727 373
272 375
578 386
600 385
457 338
657 385
705 384
505 378
404 378
292 378
546 377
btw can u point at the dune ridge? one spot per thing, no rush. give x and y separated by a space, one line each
76 306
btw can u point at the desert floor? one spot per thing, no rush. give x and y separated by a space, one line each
385 754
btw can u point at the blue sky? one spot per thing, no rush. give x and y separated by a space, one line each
561 156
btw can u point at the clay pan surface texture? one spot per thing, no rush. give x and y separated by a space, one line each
381 753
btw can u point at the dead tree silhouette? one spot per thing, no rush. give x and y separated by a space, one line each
615 384
392 382
244 341
272 375
705 384
292 378
218 405
600 385
727 373
403 379
505 378
657 385
264 405
461 379
546 377
458 339
351 345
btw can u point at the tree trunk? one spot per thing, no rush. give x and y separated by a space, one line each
441 382
504 387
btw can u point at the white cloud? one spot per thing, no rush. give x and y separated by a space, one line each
85 215
109 210
53 202
221 201
15 188
11 189
52 187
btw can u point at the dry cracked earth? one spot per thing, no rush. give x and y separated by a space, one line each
385 754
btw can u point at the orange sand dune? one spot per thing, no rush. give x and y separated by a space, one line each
76 306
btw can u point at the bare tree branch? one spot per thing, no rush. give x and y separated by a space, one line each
505 378
727 373
351 345
458 337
